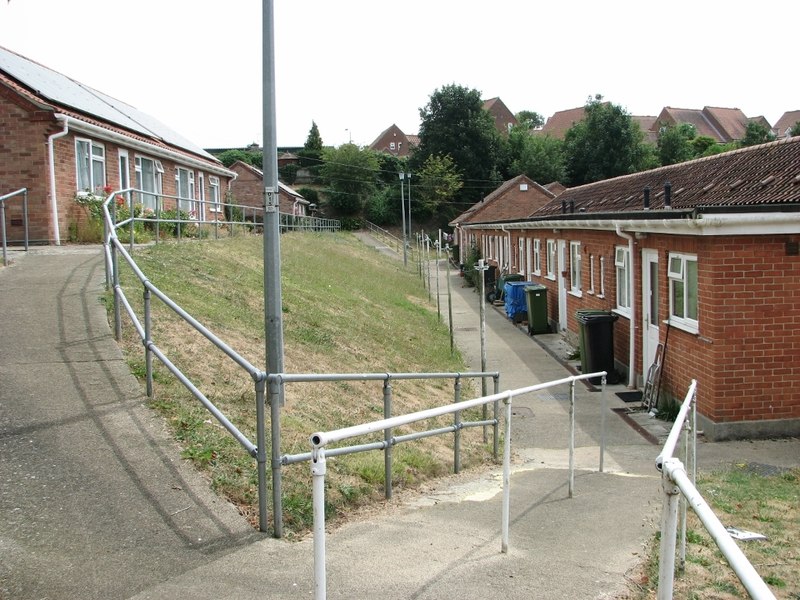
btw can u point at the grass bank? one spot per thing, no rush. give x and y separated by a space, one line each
346 309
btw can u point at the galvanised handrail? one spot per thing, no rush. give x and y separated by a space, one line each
383 233
320 440
677 484
24 193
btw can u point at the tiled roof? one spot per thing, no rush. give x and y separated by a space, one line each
516 198
561 121
786 122
765 175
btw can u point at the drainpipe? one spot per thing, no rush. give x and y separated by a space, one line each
508 246
52 161
632 335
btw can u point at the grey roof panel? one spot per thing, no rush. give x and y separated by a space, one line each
61 89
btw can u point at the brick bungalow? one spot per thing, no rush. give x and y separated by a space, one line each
62 139
701 258
247 190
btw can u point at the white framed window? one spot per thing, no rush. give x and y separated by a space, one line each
124 171
213 193
150 180
391 146
184 184
201 196
537 257
683 291
602 293
521 257
551 259
90 163
622 263
575 267
591 274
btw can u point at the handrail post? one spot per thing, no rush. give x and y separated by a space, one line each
148 354
506 480
275 402
669 526
571 437
457 424
25 216
261 456
117 284
496 426
603 406
3 230
387 438
682 503
318 469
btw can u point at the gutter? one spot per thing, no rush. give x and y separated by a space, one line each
52 164
632 328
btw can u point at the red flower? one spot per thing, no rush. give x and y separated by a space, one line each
120 200
108 189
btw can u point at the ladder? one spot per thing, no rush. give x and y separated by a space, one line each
649 396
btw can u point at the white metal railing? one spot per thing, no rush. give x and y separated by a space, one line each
320 440
20 192
677 484
391 240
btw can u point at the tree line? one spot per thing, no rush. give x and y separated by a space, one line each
462 157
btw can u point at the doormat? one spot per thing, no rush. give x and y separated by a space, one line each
630 396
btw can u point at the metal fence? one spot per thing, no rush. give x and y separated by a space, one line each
679 489
321 440
20 192
116 253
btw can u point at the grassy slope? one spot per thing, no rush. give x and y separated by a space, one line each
347 309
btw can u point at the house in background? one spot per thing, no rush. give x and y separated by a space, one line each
393 141
504 119
62 139
248 190
783 128
724 125
700 259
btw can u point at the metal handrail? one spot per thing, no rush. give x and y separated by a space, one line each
677 485
24 193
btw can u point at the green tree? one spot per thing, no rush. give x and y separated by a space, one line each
795 129
311 154
228 157
755 134
606 143
703 145
439 183
675 143
540 157
350 175
454 123
529 119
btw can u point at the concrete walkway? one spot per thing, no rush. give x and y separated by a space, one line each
98 503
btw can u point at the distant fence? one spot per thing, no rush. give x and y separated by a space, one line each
678 485
3 199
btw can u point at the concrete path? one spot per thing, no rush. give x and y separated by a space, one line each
98 504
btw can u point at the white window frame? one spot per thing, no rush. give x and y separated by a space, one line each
591 275
213 193
622 265
184 190
537 257
89 158
680 276
602 293
201 196
521 266
575 261
124 163
151 200
551 259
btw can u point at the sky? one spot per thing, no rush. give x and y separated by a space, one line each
355 67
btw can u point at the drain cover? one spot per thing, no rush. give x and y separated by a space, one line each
521 411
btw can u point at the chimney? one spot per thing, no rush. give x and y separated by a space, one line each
572 206
667 195
647 198
563 207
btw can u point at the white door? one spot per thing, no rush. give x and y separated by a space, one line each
561 275
650 333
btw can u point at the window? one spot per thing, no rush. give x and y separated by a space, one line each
683 291
124 172
184 183
537 256
551 259
591 273
149 179
575 267
213 193
602 293
391 146
521 257
622 262
201 196
90 165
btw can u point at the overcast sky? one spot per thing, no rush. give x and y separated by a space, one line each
355 67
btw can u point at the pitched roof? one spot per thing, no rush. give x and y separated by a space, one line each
239 165
561 121
516 198
42 84
767 175
722 124
786 122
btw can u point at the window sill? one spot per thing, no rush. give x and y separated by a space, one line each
622 313
687 327
577 294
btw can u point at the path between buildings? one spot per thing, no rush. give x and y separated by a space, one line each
97 503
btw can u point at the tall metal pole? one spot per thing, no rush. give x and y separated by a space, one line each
403 210
481 268
273 318
409 205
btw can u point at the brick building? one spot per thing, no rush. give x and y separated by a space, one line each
700 258
61 139
247 190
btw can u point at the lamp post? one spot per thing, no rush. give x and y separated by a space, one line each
403 211
409 205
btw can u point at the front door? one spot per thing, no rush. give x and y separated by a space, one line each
650 331
561 275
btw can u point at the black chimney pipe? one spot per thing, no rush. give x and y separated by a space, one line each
667 195
572 206
647 198
563 207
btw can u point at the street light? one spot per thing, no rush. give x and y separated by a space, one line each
403 211
409 205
